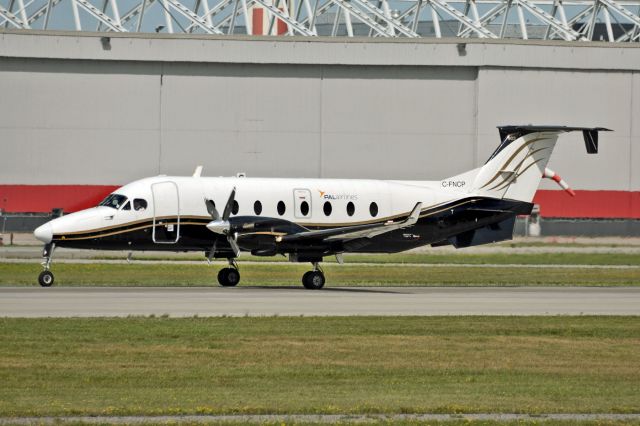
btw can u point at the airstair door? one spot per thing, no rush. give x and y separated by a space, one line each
302 203
166 213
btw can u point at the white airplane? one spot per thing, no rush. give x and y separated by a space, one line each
308 219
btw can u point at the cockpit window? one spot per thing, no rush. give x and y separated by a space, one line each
139 204
114 200
127 206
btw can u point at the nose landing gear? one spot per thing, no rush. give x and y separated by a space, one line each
46 278
229 277
314 280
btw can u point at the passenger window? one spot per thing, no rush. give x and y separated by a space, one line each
373 209
257 207
327 208
235 208
351 209
139 204
304 208
127 206
281 208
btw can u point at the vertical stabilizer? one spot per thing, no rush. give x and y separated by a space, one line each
515 168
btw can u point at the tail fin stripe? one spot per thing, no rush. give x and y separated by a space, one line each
511 159
515 175
522 172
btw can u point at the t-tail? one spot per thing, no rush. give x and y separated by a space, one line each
515 168
509 179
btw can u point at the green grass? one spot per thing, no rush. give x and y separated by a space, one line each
439 258
386 422
337 275
319 365
434 256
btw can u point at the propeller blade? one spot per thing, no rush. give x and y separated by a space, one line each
211 208
234 245
229 206
212 252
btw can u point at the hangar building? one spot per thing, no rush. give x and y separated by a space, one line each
82 113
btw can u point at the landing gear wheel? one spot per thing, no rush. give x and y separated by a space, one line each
229 277
305 278
313 280
45 279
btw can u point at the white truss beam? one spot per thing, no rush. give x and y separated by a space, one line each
12 19
486 19
277 12
391 23
611 20
191 16
102 17
463 19
560 27
209 14
363 17
621 10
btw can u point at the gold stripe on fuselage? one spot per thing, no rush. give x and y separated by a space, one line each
64 237
172 221
106 228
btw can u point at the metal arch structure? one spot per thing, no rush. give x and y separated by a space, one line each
570 20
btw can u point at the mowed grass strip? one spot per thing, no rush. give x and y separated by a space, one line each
369 420
372 422
337 275
436 257
319 365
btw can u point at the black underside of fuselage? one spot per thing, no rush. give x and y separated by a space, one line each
462 223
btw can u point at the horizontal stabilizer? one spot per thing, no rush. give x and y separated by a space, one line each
590 134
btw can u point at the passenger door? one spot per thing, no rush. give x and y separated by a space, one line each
166 212
302 203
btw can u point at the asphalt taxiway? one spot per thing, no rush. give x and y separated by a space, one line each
296 301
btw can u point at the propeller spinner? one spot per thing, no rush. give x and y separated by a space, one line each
221 225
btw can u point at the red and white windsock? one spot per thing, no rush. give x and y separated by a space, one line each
550 174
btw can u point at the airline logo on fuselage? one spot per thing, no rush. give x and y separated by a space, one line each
344 196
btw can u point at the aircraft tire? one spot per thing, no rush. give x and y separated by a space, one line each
313 280
46 278
228 277
305 277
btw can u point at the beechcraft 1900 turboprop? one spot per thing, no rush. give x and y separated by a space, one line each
308 219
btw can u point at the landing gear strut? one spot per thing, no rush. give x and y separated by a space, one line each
229 277
313 280
46 278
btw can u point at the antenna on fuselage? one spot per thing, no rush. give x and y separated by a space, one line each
197 172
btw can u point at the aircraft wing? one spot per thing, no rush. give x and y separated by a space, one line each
356 231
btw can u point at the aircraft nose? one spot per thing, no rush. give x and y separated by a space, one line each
44 233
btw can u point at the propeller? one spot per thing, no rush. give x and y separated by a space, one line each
221 225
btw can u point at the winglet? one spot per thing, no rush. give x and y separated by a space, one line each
415 214
197 172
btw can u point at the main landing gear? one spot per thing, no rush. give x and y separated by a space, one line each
229 277
313 280
46 278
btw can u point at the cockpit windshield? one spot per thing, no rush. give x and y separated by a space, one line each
114 200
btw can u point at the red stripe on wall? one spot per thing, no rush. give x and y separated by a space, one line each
589 204
257 27
282 26
586 204
43 198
